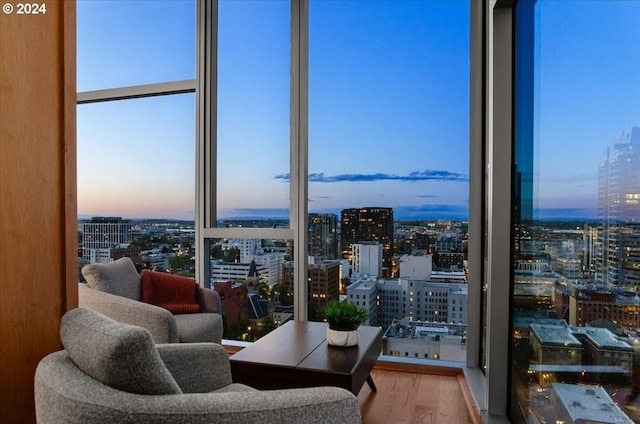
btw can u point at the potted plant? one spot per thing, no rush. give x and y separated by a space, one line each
344 318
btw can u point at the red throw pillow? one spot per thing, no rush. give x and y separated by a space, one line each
175 293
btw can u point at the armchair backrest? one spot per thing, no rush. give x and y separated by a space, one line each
118 355
119 277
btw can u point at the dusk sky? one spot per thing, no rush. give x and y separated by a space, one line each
388 105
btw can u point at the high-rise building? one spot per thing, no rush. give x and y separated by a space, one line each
418 300
324 282
323 235
590 237
617 247
102 234
368 224
449 241
363 292
415 266
367 259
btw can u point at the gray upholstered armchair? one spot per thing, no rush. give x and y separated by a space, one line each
115 289
111 372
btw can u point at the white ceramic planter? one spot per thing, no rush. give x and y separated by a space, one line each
342 338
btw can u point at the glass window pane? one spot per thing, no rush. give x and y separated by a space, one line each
124 43
254 278
577 241
253 110
136 158
389 157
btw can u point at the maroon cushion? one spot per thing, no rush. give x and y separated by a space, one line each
173 292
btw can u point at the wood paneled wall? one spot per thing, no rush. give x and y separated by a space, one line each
38 218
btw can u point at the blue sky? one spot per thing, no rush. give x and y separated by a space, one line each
588 88
388 105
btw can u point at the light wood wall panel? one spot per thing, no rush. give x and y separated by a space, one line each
38 218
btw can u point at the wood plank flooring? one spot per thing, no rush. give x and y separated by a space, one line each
415 398
409 394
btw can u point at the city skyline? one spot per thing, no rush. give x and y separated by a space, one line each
408 54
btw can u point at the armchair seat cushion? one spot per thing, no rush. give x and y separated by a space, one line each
118 355
177 294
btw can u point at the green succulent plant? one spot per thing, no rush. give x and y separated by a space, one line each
344 316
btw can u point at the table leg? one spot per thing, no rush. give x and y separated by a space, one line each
371 384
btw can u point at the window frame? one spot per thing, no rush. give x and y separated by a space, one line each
491 114
490 192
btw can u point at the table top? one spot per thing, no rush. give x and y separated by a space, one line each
302 345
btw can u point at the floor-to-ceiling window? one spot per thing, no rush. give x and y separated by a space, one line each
136 133
389 166
245 177
576 242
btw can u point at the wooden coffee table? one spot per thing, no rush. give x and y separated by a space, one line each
296 355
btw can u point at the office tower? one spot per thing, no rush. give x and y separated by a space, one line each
449 251
412 299
323 278
367 258
368 224
449 241
323 235
100 235
415 266
618 242
363 292
590 237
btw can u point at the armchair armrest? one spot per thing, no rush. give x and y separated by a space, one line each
160 322
209 300
197 367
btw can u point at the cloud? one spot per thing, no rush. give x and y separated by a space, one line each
426 175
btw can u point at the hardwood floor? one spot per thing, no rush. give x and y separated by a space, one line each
409 394
406 397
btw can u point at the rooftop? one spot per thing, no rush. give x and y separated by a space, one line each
555 334
601 337
407 329
589 404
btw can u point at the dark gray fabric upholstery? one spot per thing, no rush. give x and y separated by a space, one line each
119 277
119 355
